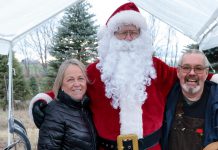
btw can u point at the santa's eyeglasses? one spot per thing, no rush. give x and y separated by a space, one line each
123 34
197 69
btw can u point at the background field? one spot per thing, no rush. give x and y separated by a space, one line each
23 116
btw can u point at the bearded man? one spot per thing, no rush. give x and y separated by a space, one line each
128 87
191 115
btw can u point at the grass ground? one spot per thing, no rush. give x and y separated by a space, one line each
22 115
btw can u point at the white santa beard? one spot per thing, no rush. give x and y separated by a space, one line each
126 71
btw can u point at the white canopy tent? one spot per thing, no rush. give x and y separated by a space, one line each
197 19
18 17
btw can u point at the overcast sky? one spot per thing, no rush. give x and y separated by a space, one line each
104 8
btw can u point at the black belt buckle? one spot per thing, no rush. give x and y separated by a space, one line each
127 137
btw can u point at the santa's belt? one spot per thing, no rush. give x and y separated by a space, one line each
128 142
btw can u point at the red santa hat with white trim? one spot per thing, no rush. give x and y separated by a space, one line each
127 13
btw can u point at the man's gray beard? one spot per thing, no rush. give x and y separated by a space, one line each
126 71
191 90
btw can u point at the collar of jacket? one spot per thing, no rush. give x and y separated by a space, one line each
68 100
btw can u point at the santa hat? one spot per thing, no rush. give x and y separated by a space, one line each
127 13
46 97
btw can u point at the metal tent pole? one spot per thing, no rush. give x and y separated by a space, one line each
10 90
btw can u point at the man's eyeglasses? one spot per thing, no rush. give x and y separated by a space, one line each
197 69
123 34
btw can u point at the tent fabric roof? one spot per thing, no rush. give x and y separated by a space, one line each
20 16
197 19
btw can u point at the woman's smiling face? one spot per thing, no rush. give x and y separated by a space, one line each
74 82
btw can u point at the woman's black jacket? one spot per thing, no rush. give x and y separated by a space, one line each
67 125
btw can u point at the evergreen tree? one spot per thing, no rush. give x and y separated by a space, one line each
76 38
3 81
20 89
20 86
212 55
46 83
33 86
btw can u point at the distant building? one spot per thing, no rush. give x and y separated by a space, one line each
30 61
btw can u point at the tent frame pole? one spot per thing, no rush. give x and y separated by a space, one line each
10 91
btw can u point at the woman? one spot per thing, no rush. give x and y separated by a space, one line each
68 123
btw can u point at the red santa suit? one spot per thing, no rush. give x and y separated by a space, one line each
143 118
106 118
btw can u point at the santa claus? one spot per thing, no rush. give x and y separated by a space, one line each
128 87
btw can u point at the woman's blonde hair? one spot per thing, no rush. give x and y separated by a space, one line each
60 75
